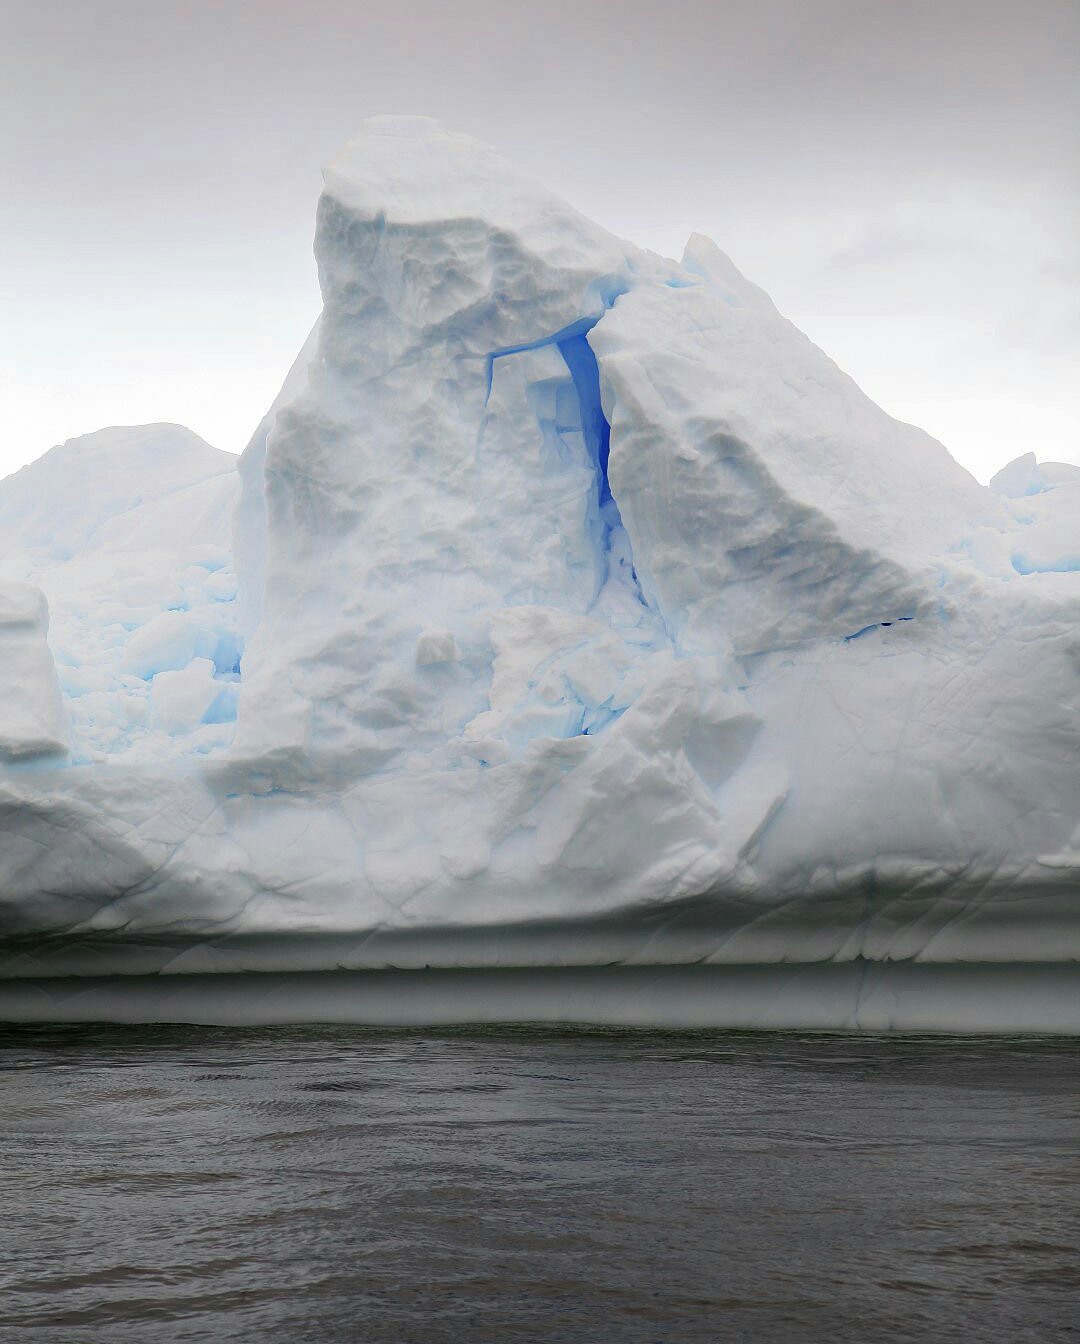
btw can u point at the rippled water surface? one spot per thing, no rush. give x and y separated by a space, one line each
292 1185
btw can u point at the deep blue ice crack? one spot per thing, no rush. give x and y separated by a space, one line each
576 330
877 625
613 541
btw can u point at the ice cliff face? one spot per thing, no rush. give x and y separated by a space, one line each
588 615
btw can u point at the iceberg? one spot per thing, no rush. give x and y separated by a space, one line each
574 641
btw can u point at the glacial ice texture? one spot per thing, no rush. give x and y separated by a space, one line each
572 627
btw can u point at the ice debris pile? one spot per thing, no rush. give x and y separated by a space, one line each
572 628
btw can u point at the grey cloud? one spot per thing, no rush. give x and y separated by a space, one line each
852 156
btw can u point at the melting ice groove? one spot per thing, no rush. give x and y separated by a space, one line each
876 625
573 345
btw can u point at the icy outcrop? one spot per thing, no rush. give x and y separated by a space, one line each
589 617
31 716
128 532
1046 504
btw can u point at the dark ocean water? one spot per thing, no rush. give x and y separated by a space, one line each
176 1184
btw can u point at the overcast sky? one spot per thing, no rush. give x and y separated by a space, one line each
903 177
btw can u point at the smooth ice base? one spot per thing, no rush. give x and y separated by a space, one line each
847 996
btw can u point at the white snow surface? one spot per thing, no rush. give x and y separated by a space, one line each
589 615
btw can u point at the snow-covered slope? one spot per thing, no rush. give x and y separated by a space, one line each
589 616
